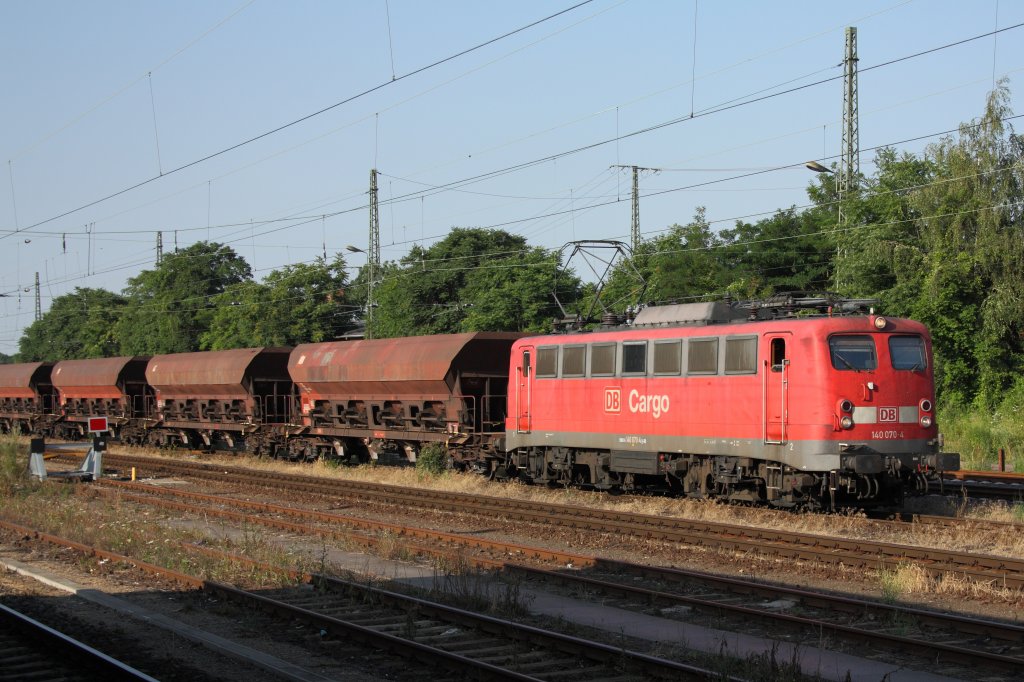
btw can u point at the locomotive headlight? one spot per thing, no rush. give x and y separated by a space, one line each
880 323
846 422
845 406
925 405
926 420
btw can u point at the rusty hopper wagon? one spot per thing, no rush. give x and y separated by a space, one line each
219 399
114 388
364 399
27 397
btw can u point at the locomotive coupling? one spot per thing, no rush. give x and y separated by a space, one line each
863 463
942 461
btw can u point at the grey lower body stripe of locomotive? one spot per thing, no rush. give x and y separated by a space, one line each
804 455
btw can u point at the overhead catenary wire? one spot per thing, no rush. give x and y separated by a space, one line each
674 189
75 119
618 137
552 255
508 169
307 117
305 220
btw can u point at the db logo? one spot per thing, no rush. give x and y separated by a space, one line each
888 414
612 400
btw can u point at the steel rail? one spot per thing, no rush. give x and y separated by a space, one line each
33 650
610 657
989 569
1007 633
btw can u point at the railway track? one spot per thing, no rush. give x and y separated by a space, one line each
990 476
995 485
929 636
856 553
462 642
30 650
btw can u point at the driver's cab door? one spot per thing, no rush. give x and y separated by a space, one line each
775 385
524 388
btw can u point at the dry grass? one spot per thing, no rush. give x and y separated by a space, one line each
908 579
139 533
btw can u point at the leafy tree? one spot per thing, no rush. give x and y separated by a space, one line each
787 252
940 238
77 325
172 306
299 303
973 231
685 264
880 248
474 279
514 294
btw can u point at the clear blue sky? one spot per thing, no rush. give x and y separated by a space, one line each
77 122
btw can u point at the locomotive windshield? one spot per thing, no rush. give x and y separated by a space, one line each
907 352
855 353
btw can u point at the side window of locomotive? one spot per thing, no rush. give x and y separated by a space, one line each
668 357
547 361
855 353
703 357
573 360
602 360
634 357
526 363
907 352
741 355
778 354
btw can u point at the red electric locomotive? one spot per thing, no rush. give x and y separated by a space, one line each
712 401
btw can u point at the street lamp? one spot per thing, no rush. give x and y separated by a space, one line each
818 168
369 289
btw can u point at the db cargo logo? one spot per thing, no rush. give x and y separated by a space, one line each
612 400
888 414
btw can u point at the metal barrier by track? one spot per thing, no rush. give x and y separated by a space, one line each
90 470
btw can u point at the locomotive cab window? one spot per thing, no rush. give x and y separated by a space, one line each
573 360
856 353
602 360
741 355
526 363
907 352
668 357
778 351
547 361
634 357
703 357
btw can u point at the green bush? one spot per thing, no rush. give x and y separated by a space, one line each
978 433
432 459
12 465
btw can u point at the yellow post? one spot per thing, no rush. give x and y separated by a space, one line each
133 473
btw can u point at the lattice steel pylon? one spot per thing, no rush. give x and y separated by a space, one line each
634 229
849 160
39 301
372 252
634 232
